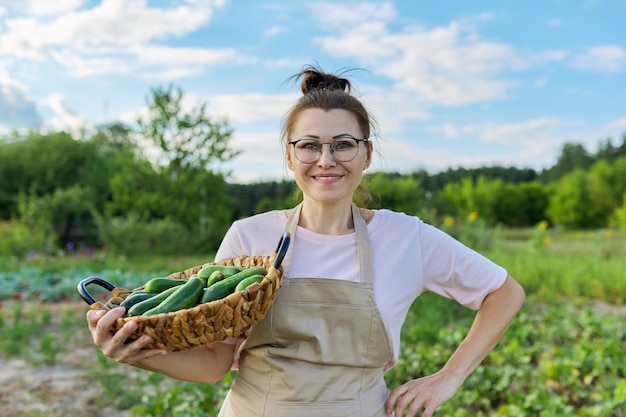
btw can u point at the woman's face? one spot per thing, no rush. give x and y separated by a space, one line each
327 180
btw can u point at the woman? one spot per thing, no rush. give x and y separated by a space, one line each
351 275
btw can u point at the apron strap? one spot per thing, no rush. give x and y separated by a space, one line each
362 241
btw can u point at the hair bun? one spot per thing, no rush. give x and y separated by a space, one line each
314 79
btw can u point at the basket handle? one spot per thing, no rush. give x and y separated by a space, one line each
82 288
281 249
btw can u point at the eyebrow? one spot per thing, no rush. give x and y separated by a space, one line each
339 136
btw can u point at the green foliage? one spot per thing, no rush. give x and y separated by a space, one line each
619 216
568 266
132 235
18 238
40 164
497 202
187 139
555 361
400 192
579 201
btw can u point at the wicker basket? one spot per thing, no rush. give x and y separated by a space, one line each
208 322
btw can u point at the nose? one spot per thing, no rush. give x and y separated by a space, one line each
327 156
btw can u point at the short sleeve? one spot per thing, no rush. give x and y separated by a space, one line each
456 271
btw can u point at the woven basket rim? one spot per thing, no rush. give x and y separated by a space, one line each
261 285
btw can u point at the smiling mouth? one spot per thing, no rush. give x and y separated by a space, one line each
327 177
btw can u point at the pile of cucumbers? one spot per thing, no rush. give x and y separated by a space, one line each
212 282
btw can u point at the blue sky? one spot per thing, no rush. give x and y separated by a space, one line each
451 83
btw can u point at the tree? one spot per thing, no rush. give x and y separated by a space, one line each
573 156
182 189
186 139
578 201
400 193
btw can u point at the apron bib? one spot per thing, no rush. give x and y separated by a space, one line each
321 350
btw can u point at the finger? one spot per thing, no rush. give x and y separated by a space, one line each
415 407
136 350
410 400
121 336
105 322
93 316
429 410
393 397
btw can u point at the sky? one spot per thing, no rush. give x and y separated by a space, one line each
452 83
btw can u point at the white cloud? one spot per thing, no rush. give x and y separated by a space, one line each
529 133
608 58
116 36
262 157
392 109
248 108
448 65
45 7
18 108
64 118
536 141
617 124
273 31
345 16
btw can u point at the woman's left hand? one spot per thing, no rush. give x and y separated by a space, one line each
425 393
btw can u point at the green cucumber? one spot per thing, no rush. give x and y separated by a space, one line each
246 282
226 286
216 276
135 297
185 296
207 270
143 306
157 285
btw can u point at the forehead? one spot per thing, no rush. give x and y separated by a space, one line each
326 123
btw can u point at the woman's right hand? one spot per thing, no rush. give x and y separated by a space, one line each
116 345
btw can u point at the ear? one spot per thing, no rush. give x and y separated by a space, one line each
289 158
368 159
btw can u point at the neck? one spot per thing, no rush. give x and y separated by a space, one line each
335 219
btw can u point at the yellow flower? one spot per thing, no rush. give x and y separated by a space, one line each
543 225
448 221
546 240
473 216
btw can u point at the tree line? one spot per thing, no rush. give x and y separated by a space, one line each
158 187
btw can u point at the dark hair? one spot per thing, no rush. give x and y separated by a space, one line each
321 90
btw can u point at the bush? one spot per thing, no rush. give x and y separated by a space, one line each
132 235
19 239
619 216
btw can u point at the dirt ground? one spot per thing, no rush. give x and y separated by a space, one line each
27 390
59 390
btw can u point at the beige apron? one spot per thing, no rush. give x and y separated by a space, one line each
321 349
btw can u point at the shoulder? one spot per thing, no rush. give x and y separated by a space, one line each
273 216
389 218
256 235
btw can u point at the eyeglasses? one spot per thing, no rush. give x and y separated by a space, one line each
343 148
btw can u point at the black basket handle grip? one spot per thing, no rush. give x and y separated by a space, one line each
281 249
82 288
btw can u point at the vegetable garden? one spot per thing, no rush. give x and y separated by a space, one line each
565 354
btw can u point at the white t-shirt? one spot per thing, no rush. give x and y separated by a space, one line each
409 257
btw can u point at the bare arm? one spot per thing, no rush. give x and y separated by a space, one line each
206 364
493 318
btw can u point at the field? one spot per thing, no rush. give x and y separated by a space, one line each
565 354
